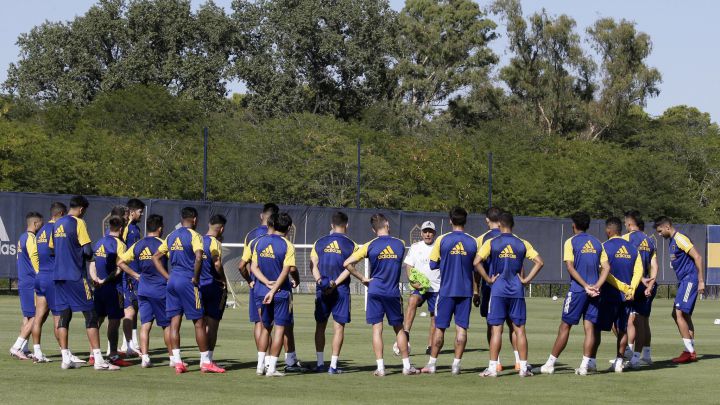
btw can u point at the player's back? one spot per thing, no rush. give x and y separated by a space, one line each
456 253
645 247
385 254
251 236
211 248
621 255
506 256
181 246
332 251
107 250
69 236
45 253
680 259
131 234
152 283
273 252
491 234
584 250
26 254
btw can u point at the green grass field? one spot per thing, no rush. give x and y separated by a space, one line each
24 382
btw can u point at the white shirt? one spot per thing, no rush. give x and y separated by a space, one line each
419 257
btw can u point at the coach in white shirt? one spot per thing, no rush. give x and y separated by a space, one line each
418 257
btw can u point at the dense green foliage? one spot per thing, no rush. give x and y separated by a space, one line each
114 102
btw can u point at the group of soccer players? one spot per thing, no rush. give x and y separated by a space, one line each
612 288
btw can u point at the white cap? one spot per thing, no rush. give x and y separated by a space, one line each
427 225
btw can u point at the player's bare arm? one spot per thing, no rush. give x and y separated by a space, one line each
537 266
699 266
197 267
350 267
281 279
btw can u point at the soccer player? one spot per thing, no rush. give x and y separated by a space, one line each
152 286
639 335
212 280
184 248
273 258
105 276
28 265
453 255
505 255
72 246
417 261
688 265
128 287
44 284
383 298
582 257
332 294
622 269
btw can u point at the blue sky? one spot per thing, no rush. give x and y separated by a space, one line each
680 33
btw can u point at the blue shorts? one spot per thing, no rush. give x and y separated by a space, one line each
579 305
447 307
109 302
45 287
151 308
686 296
337 304
214 297
74 294
613 313
503 308
484 300
253 310
182 297
129 290
278 312
27 301
430 298
641 304
379 306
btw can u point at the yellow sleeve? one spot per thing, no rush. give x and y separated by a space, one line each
683 242
485 250
637 273
530 252
32 251
51 243
128 255
617 284
435 251
313 252
125 232
163 248
215 248
654 255
197 242
626 236
360 253
82 233
121 248
254 255
289 255
568 254
604 256
247 251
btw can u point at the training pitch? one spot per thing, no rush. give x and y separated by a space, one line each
24 382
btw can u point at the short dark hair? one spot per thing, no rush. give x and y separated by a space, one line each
218 219
662 220
506 219
270 208
283 223
57 208
634 215
153 223
118 210
79 201
33 214
339 218
272 220
378 221
615 223
135 204
493 214
458 216
581 220
116 223
188 213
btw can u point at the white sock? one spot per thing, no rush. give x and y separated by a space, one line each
65 355
551 360
432 361
210 355
689 345
456 362
646 352
585 361
492 366
176 356
272 364
291 358
24 346
145 358
498 360
204 358
267 361
618 360
172 359
19 343
261 360
406 363
38 352
517 356
320 358
97 354
380 364
334 361
134 338
631 347
523 365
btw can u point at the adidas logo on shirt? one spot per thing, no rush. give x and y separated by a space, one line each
588 248
145 254
177 245
42 238
622 253
508 253
268 252
101 251
333 247
60 232
644 246
387 253
459 249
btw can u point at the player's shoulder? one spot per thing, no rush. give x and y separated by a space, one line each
193 232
